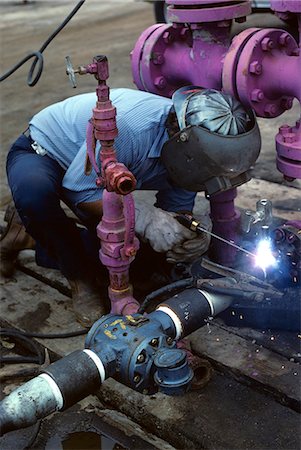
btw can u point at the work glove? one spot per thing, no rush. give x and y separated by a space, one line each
192 248
165 234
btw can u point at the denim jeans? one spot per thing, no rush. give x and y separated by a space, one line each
36 185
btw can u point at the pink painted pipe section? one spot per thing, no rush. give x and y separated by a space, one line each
116 230
260 67
118 249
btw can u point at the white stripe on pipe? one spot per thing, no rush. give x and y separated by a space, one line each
209 299
98 363
55 390
174 318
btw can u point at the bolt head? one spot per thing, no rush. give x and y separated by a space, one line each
136 378
285 39
154 342
158 58
169 340
160 82
167 37
271 109
289 138
267 44
140 358
255 68
257 95
287 102
284 129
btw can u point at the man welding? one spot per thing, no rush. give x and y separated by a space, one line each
215 141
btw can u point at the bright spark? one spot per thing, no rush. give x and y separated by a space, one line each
264 256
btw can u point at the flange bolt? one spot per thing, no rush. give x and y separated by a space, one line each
160 82
255 68
285 39
257 95
267 44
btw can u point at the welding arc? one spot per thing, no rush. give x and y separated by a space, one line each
194 225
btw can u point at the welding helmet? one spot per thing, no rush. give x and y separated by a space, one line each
218 141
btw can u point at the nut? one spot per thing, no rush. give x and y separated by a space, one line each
136 378
287 102
160 82
140 358
271 109
289 138
257 95
267 44
158 58
285 39
255 68
167 37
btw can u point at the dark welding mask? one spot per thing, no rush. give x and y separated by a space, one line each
218 141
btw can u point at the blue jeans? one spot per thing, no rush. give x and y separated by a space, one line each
36 185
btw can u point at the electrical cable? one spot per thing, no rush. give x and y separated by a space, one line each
176 285
34 348
25 336
38 55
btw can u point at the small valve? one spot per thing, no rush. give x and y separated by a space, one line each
70 71
263 214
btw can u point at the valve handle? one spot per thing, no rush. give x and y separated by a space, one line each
70 71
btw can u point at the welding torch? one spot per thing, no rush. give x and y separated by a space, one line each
192 224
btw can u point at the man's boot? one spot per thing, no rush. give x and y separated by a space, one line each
88 302
13 240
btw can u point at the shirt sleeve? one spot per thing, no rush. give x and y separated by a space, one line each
175 199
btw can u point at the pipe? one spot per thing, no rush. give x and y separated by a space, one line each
260 67
138 351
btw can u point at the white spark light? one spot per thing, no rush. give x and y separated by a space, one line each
264 256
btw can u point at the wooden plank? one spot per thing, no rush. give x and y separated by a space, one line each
250 363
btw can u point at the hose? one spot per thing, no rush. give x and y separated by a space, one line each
25 336
176 285
34 347
38 55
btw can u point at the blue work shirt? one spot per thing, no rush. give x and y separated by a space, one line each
61 130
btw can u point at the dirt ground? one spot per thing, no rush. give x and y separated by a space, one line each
100 27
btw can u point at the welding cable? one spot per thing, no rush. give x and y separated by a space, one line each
26 337
175 286
34 348
38 55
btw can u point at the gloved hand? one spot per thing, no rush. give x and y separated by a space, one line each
165 234
191 249
159 228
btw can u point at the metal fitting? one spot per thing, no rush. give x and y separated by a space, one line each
255 68
158 58
267 44
160 82
167 37
271 109
285 39
284 129
140 358
287 102
289 137
183 137
257 95
154 342
136 378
